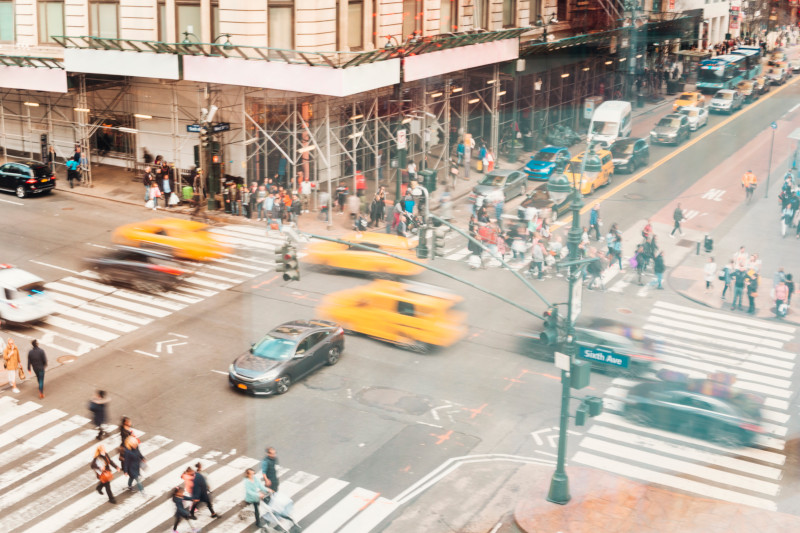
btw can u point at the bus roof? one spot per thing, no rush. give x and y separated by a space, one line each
730 58
745 51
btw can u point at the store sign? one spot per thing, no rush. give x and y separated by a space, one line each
672 4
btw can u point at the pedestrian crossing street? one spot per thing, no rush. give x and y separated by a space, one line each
48 485
700 342
90 313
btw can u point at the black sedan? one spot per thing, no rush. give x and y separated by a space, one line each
27 178
629 154
285 355
145 270
697 408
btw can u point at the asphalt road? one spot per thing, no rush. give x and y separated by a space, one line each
382 418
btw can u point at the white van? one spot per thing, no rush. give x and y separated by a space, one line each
22 296
610 121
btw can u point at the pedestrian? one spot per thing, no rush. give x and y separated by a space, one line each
297 208
98 406
789 289
658 269
269 471
361 183
305 195
725 277
739 282
412 171
201 493
375 211
72 172
133 463
125 431
752 290
639 263
181 513
254 492
341 196
677 216
709 271
188 480
167 185
252 200
37 364
595 271
236 199
267 207
781 297
12 364
537 259
594 221
102 465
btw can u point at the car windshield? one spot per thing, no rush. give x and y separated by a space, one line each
669 122
41 171
273 348
494 181
622 149
686 96
689 112
745 86
545 156
604 128
723 96
31 289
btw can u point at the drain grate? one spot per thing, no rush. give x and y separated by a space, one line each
686 243
634 196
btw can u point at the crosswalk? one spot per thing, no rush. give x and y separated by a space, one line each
48 485
699 342
90 313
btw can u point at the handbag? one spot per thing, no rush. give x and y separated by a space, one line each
632 262
149 204
21 373
106 476
173 199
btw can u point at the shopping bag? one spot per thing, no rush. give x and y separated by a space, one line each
149 204
479 165
173 199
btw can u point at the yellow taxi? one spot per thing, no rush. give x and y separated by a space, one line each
184 239
695 99
345 257
591 180
414 316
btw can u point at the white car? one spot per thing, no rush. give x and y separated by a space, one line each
698 116
22 296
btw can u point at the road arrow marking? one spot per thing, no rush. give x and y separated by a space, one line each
435 415
171 346
536 436
714 194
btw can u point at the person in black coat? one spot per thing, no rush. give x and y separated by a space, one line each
98 406
133 463
102 463
181 513
200 492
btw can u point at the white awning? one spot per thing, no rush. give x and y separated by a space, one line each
432 64
119 63
52 80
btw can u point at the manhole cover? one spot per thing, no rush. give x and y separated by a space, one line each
633 196
624 311
686 243
66 359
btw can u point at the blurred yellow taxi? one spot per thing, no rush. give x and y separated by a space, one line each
693 99
344 257
412 315
184 239
591 179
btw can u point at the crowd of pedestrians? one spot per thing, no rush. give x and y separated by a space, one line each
14 369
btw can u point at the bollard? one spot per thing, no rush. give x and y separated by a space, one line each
698 248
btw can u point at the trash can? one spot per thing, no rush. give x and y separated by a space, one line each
527 143
429 179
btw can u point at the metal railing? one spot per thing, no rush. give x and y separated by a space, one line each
30 61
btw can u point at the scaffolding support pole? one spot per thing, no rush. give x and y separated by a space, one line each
495 115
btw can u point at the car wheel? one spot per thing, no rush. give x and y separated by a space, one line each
282 384
639 417
724 436
20 192
417 347
333 356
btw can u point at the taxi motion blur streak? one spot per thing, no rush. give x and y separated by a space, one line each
344 257
184 239
413 315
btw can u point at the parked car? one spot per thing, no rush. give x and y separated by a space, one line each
694 99
698 116
415 316
513 183
630 154
777 56
762 84
748 90
671 129
640 362
146 270
698 408
23 297
285 355
795 65
544 162
591 181
184 239
540 199
776 75
27 178
726 101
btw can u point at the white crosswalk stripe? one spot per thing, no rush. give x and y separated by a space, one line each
90 313
697 343
48 485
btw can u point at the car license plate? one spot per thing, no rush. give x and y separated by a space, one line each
242 386
45 180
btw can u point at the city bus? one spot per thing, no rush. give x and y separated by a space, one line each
752 55
721 72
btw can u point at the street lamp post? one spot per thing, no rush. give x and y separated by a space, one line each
774 126
559 187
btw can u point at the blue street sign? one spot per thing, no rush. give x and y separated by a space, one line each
774 125
193 128
604 356
221 126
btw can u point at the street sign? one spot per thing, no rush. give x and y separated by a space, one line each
193 128
774 125
604 356
402 140
562 361
577 292
220 127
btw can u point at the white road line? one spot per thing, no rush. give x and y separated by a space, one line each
67 300
116 313
720 325
10 201
49 338
619 286
343 511
29 425
242 265
238 273
149 299
172 295
74 312
462 253
713 332
197 292
671 342
80 329
697 364
318 495
747 364
753 453
740 384
40 439
671 481
221 278
56 521
754 322
297 482
11 410
91 285
371 516
685 452
131 306
53 266
74 291
204 283
744 348
146 353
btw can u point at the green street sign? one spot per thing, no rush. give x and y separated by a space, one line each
604 356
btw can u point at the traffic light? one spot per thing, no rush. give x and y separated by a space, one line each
204 136
549 335
292 270
280 258
591 406
437 243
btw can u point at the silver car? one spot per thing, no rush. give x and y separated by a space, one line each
726 101
698 116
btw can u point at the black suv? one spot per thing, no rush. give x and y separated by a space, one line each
26 178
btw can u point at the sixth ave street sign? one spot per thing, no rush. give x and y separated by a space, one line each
603 356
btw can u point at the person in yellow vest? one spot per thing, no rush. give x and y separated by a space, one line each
749 182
